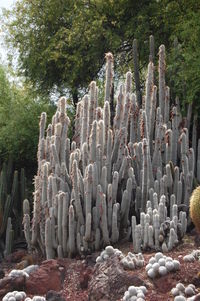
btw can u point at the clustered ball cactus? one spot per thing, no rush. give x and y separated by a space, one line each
130 261
21 296
18 273
161 265
182 293
25 272
15 296
136 175
135 293
194 255
107 253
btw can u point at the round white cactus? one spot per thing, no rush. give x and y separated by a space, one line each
161 265
180 292
135 293
107 253
14 296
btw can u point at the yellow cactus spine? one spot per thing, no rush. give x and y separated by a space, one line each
195 208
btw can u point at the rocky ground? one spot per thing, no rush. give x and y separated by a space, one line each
81 280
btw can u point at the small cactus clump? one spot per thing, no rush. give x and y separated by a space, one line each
108 252
136 293
161 265
156 230
21 296
25 272
15 296
180 292
194 255
133 261
18 273
195 208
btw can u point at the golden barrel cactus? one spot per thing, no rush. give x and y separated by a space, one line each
195 208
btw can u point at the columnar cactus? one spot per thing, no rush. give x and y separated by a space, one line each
9 238
91 191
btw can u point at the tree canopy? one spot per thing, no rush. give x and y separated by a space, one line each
19 123
61 43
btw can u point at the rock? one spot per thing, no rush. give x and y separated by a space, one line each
90 260
47 277
54 296
85 276
16 256
9 284
2 274
109 280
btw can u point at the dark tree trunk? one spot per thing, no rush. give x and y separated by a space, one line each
75 97
137 73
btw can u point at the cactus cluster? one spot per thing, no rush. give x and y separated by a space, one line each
161 265
15 296
25 272
21 296
108 252
12 194
87 190
156 229
135 293
182 293
194 255
130 261
18 273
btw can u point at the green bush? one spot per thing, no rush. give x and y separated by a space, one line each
19 118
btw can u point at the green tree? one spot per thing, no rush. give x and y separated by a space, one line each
61 43
184 59
19 119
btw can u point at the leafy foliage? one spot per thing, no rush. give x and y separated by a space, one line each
185 60
19 112
61 44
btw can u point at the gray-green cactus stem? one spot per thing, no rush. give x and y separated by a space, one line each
48 241
109 76
27 230
149 92
136 72
161 71
84 129
78 206
103 220
72 247
119 110
151 48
